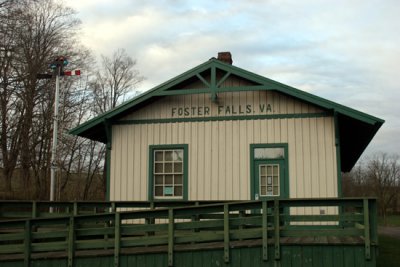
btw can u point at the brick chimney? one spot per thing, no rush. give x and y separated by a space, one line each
225 57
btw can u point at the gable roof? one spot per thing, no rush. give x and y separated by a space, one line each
355 129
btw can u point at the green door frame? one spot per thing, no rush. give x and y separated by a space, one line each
254 163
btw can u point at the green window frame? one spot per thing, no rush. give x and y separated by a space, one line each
168 172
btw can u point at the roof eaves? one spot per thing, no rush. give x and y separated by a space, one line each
286 89
138 99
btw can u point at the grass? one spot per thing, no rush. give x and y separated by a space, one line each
388 255
391 220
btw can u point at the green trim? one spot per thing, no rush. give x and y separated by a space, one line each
184 92
338 156
213 85
185 148
213 64
217 89
108 173
226 118
285 164
108 131
108 127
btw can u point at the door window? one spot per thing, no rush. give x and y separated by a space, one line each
269 177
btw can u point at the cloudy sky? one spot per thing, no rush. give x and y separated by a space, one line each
347 51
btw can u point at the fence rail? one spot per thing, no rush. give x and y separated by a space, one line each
11 209
268 223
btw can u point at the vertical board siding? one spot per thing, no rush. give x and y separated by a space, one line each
280 104
219 159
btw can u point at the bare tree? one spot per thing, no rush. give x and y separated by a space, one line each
79 158
116 78
113 82
45 28
10 105
383 173
355 183
33 33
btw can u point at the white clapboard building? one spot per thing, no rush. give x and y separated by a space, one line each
219 132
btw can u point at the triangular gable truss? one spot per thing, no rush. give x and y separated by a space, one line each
212 77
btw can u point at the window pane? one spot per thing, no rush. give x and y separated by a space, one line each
158 179
269 170
178 191
168 191
168 179
269 190
263 180
158 168
269 180
178 155
276 182
158 191
178 167
263 190
276 170
168 168
168 155
276 191
158 156
262 170
178 179
269 153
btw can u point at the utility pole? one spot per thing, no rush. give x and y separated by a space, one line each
58 67
58 70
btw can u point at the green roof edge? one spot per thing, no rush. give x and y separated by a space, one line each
286 89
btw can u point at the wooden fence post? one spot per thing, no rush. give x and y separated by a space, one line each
170 237
226 233
117 238
71 241
27 243
34 209
367 239
277 233
265 230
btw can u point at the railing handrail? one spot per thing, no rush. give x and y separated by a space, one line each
74 207
32 209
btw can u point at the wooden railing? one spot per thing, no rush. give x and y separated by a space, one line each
269 224
10 209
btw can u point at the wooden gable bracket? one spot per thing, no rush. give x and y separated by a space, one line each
212 86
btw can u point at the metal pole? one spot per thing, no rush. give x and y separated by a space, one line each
54 145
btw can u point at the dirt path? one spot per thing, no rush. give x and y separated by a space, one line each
389 231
